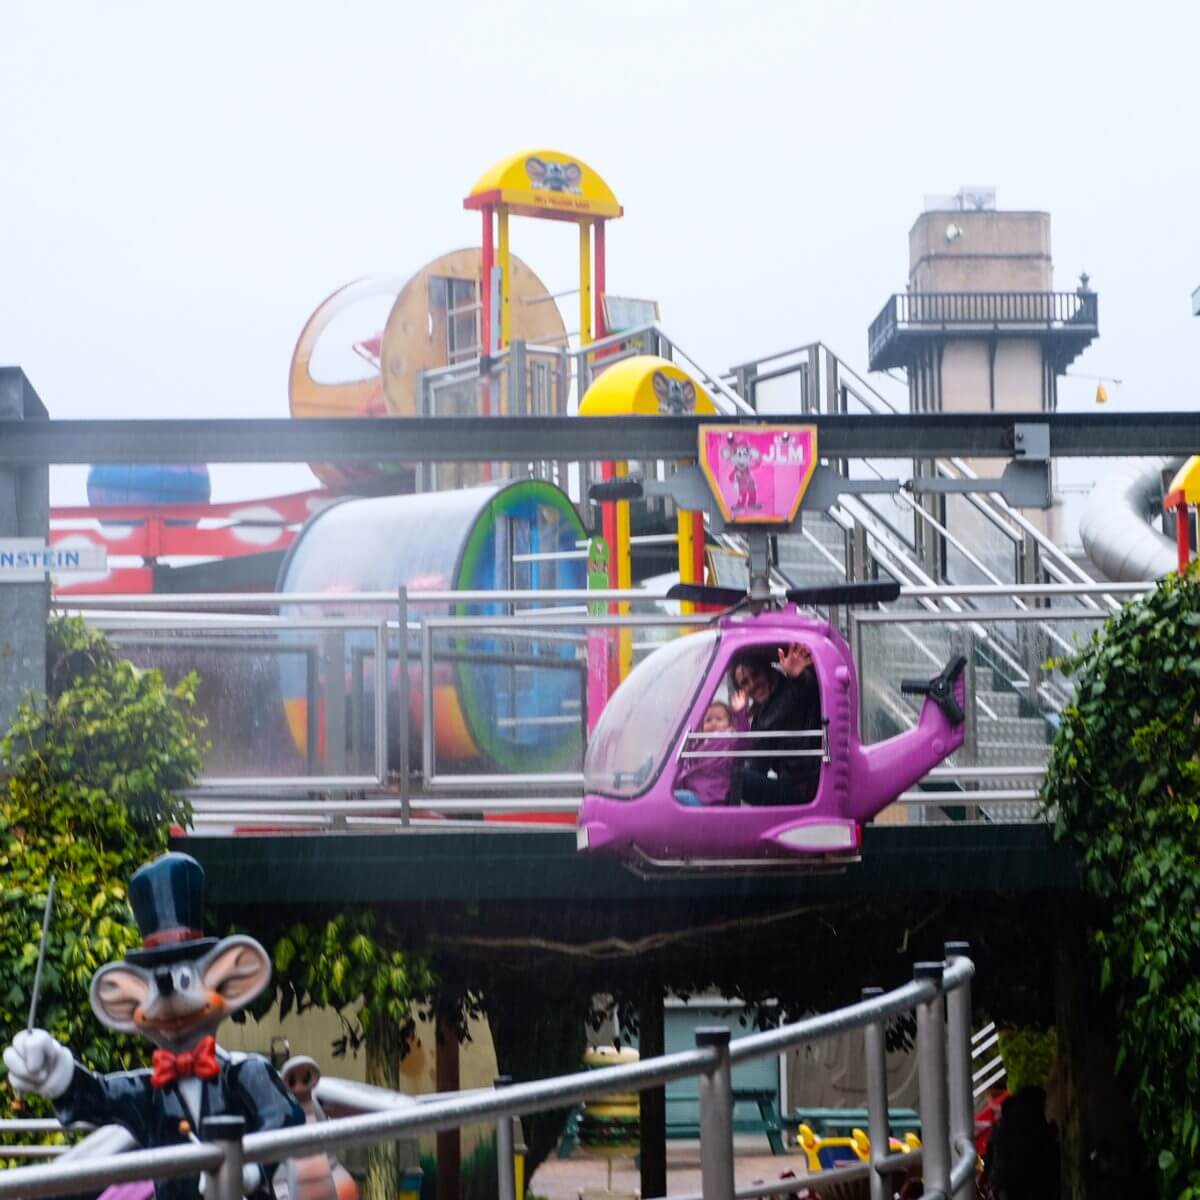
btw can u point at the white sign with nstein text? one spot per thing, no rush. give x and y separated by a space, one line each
26 560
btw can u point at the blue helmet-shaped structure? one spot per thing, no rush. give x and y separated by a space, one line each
121 484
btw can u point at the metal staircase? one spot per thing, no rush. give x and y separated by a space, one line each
936 543
973 539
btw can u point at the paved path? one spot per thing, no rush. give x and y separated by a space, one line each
567 1178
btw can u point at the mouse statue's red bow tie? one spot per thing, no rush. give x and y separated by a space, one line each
201 1062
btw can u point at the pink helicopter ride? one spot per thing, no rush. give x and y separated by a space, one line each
651 728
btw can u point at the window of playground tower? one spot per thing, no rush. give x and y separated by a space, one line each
640 723
454 317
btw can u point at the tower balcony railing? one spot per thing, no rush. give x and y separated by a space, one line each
1071 313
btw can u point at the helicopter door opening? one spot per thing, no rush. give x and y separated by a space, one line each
765 752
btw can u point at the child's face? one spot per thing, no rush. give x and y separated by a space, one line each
716 719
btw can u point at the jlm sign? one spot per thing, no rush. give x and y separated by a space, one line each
24 560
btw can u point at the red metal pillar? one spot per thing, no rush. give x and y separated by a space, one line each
1183 538
485 284
698 547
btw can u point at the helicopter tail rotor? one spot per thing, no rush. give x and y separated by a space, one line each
940 689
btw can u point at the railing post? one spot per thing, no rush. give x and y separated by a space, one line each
931 1082
506 1179
878 1127
381 702
958 1056
831 381
716 1118
428 766
743 383
226 1182
402 711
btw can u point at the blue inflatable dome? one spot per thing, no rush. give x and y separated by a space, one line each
152 484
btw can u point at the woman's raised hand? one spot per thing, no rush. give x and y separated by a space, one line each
794 660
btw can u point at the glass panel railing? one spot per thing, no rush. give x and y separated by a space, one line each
283 701
505 701
977 550
1013 699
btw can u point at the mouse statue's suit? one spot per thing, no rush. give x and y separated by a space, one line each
175 990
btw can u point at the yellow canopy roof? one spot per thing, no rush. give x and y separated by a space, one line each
544 183
647 386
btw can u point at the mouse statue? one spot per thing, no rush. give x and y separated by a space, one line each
176 990
317 1176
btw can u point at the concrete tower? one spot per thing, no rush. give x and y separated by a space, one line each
979 327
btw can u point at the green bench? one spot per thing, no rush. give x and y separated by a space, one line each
839 1122
768 1122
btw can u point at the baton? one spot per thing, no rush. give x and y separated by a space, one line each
41 958
18 1103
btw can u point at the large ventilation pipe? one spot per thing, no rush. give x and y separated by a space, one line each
1115 529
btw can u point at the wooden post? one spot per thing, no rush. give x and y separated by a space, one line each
651 1044
449 1144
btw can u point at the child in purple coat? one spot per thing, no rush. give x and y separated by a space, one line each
703 782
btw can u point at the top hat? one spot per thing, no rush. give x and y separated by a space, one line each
167 896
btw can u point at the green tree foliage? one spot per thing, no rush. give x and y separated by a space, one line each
351 964
92 774
1028 1056
1124 784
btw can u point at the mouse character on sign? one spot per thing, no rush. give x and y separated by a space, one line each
176 990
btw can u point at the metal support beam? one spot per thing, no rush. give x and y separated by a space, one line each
520 439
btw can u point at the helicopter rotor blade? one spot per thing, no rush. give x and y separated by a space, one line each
881 592
699 593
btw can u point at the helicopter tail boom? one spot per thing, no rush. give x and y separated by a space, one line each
888 768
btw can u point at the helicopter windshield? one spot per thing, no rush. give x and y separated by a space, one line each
636 729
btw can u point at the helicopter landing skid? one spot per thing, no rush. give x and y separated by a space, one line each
646 867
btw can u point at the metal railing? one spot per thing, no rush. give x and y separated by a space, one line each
527 632
992 310
939 995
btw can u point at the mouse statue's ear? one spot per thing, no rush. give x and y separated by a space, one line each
237 969
118 990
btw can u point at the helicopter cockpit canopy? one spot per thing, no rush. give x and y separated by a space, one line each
637 729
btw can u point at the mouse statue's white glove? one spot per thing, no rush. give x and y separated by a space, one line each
37 1063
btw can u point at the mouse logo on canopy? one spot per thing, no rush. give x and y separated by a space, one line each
676 397
553 176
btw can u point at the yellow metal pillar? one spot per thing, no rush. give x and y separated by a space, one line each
585 282
687 555
505 276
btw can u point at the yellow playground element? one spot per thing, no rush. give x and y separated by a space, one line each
821 1153
645 386
1183 498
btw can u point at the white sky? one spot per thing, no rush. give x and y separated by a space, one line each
183 183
